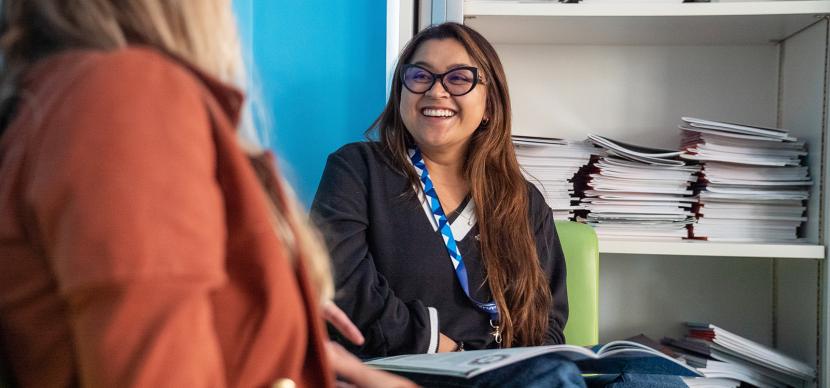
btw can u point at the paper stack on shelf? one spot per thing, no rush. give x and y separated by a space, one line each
637 192
730 374
707 381
550 164
698 354
710 382
721 354
629 1
751 186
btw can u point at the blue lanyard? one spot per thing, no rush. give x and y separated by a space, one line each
446 233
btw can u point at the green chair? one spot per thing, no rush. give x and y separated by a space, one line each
579 243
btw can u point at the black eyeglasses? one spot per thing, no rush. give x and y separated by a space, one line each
456 82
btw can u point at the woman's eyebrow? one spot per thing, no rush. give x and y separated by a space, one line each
453 66
450 67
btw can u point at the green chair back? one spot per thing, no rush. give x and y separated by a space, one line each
579 243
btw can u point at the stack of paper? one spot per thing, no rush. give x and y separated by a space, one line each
626 1
550 164
718 353
710 382
751 186
638 192
727 374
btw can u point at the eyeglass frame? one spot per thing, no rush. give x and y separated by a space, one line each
435 76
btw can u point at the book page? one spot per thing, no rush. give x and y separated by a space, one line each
462 364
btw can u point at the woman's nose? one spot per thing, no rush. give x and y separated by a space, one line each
437 89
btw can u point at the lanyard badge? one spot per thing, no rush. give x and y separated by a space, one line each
449 241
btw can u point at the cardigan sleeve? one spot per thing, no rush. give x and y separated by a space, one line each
553 261
389 324
124 200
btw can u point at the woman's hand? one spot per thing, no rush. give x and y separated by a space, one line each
446 344
342 323
346 365
356 374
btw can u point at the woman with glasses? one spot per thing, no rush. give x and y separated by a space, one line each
438 242
146 240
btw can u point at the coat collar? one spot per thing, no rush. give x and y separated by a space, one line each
229 98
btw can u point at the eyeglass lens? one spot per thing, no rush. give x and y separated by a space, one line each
456 82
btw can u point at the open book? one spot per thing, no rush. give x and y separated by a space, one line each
613 357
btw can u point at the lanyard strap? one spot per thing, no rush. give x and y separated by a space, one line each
446 233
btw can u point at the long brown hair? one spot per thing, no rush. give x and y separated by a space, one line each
201 32
498 189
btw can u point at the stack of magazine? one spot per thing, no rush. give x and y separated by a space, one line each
720 354
550 164
752 183
639 192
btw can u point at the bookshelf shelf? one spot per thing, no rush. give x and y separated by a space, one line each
706 248
759 22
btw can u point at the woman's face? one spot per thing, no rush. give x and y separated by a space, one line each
437 120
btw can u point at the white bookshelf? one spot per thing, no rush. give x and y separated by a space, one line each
503 8
630 71
698 51
718 249
633 23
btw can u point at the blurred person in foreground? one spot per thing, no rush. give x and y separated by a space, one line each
145 237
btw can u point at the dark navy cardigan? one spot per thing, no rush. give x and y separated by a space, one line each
392 273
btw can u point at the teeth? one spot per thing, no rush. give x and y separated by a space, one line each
438 112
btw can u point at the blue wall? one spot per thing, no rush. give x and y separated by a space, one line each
321 71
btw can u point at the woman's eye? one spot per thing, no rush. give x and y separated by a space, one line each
460 79
421 77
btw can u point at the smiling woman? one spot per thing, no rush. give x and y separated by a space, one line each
438 242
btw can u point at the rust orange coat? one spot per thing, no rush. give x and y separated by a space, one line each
136 247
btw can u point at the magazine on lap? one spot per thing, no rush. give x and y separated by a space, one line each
613 357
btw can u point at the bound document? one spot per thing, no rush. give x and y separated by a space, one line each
613 357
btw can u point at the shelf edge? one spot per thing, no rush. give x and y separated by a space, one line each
758 8
794 251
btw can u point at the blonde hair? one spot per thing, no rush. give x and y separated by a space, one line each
202 32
